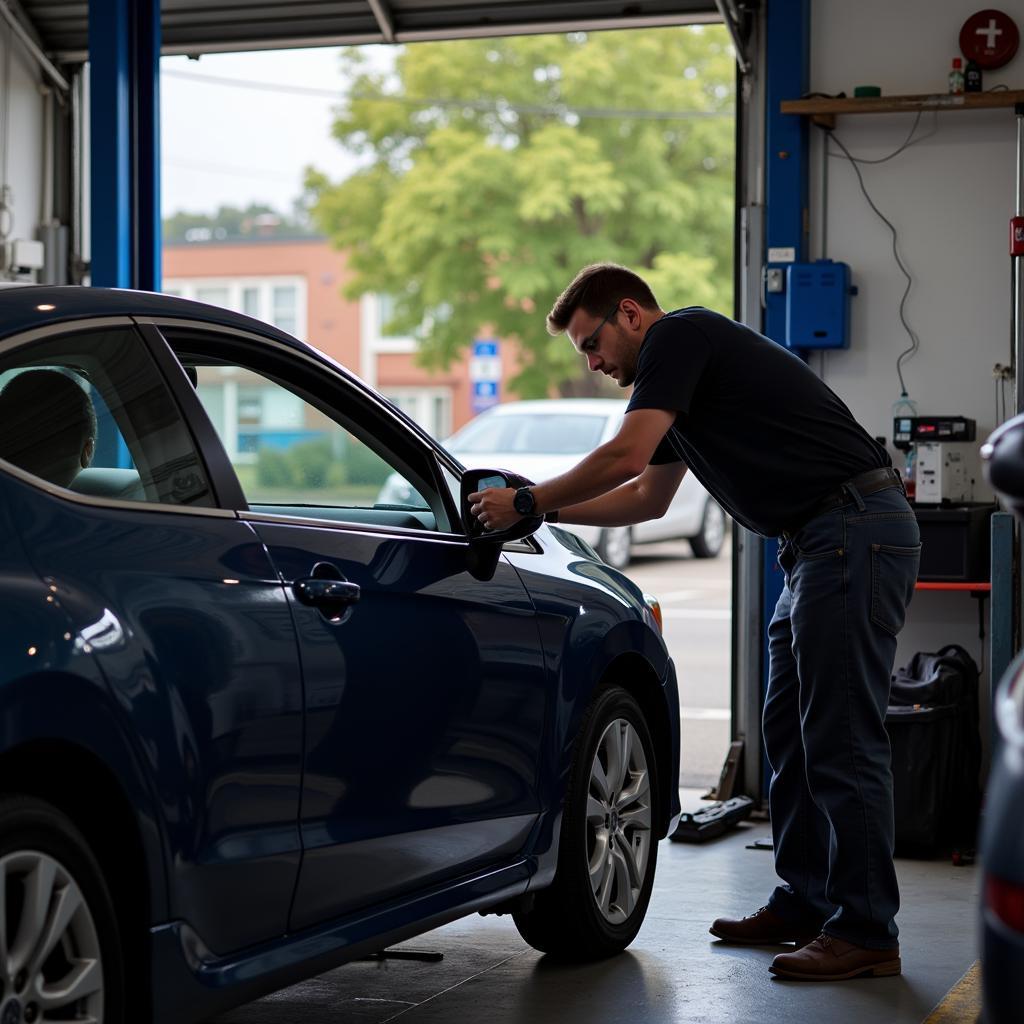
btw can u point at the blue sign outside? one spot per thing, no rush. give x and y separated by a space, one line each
485 374
485 394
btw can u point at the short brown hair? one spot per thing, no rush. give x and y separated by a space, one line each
595 289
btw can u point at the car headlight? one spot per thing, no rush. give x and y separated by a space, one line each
654 607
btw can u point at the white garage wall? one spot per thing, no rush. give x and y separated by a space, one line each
21 138
950 198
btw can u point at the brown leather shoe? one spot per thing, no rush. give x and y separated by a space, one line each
830 959
762 928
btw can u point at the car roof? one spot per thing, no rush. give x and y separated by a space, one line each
20 309
562 406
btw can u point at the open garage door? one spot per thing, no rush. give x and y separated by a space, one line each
210 26
60 28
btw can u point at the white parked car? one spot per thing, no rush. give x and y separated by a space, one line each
541 439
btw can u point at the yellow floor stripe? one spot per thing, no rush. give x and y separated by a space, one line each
962 1003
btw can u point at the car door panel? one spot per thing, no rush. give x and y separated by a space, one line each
425 710
178 604
190 625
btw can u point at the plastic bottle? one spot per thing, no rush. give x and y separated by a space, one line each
956 77
909 477
972 77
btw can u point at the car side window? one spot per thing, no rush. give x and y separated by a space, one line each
295 455
89 411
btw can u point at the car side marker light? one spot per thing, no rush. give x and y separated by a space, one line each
1006 901
655 605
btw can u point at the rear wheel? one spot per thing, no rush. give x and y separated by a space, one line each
57 925
614 546
608 848
708 543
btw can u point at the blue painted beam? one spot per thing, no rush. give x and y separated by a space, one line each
787 56
1001 606
124 101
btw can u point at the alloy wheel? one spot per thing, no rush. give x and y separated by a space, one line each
50 962
618 821
714 527
615 546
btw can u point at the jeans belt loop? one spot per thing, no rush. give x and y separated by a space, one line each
852 491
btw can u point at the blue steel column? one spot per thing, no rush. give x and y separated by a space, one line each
124 74
787 55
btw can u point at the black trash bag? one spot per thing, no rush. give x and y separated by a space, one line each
934 732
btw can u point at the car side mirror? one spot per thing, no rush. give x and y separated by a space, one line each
485 545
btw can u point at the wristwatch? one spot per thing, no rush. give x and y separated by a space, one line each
524 502
552 516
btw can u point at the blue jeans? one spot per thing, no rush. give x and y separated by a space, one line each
850 575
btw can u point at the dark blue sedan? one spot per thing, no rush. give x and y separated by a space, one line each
1002 838
254 724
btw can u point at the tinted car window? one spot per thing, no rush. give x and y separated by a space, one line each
89 411
530 433
301 445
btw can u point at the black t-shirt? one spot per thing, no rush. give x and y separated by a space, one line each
754 424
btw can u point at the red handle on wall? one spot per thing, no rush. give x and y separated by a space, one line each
1017 236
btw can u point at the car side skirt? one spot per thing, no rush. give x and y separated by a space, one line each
189 984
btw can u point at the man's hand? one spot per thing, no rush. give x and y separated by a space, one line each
493 507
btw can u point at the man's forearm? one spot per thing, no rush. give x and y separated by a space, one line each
622 507
603 470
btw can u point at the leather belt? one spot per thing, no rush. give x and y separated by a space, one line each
866 483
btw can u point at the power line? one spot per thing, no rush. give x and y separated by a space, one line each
233 169
455 103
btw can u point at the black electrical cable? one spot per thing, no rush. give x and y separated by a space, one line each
915 343
906 144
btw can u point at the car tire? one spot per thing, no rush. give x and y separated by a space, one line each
50 874
602 885
708 543
614 546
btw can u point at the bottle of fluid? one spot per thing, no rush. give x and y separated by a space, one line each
972 77
956 77
909 469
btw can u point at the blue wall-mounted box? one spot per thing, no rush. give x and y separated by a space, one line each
818 305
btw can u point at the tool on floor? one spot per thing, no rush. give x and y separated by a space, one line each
428 956
712 821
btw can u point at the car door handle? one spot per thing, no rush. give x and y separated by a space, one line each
321 593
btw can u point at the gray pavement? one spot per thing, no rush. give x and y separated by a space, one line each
696 601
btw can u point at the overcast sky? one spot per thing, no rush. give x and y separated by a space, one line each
236 144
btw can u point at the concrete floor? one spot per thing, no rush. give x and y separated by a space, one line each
674 971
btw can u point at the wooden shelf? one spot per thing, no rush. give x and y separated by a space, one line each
823 111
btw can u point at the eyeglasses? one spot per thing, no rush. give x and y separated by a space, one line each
589 343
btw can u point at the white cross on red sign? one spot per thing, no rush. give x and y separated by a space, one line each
989 38
991 32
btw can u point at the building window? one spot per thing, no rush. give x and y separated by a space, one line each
285 303
431 408
280 301
217 296
251 301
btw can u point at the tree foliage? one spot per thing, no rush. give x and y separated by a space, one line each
494 169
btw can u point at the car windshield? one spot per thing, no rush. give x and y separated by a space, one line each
539 433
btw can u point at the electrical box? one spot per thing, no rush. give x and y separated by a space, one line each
910 430
943 473
25 255
818 305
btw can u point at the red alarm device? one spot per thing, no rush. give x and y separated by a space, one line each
989 38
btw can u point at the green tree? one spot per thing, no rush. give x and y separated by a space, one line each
496 168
